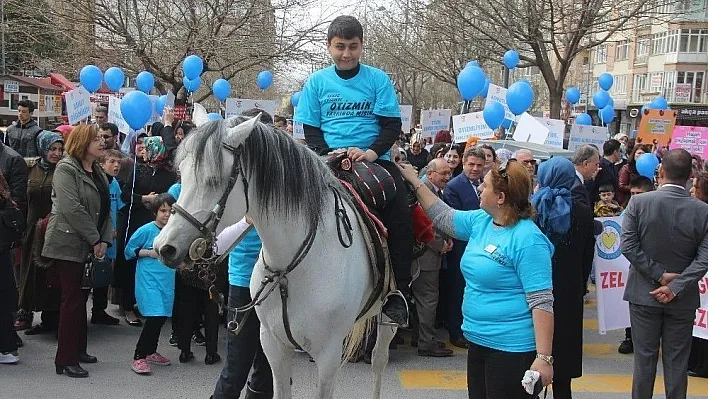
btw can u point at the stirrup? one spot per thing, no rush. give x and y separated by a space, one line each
392 323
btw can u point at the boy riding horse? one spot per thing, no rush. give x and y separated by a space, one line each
353 106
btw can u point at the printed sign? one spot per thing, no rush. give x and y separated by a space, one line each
237 106
498 94
78 105
115 116
583 134
693 139
470 125
682 93
433 121
11 86
530 130
298 131
556 131
657 125
406 116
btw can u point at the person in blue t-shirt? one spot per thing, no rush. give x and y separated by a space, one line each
353 106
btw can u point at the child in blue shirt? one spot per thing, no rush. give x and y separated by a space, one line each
154 286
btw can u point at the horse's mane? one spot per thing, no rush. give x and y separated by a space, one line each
284 175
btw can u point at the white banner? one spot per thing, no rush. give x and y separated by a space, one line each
556 131
78 105
155 117
406 117
434 120
470 125
498 94
115 116
584 134
530 130
237 106
611 273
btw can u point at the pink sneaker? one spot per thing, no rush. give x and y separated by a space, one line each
141 366
158 359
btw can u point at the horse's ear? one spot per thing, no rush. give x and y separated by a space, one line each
239 133
199 115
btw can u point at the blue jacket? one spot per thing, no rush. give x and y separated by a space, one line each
460 194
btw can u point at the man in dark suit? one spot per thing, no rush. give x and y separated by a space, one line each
426 271
586 161
607 174
461 193
665 239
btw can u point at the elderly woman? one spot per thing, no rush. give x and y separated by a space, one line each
568 225
417 155
35 292
79 225
508 300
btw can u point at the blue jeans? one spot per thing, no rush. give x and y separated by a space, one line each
242 352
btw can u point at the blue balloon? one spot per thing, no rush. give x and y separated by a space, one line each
485 89
192 85
136 109
519 97
114 78
506 124
221 89
583 119
572 95
607 114
264 79
145 81
160 104
659 103
600 99
213 116
646 165
295 99
610 102
470 82
192 67
511 59
90 78
605 81
471 64
493 114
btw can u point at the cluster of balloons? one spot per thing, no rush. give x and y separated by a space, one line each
601 98
519 96
192 68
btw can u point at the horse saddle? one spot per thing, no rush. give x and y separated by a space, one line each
372 182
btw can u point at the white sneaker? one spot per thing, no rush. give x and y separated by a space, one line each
9 358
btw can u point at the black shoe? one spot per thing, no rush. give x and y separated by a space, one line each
626 347
435 352
459 342
198 338
72 371
692 373
174 341
86 358
101 317
396 309
186 356
212 358
39 329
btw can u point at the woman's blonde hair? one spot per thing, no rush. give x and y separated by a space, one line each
79 140
513 180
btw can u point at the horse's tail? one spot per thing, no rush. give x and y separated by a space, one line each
357 336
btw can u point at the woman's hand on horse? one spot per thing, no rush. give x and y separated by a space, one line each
356 154
408 172
545 369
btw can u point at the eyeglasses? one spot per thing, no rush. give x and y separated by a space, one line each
443 174
106 136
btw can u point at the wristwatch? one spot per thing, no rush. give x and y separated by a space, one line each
545 358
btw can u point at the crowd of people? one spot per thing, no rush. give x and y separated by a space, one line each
504 270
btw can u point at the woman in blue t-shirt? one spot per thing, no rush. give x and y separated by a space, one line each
508 300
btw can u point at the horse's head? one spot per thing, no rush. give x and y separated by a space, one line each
213 191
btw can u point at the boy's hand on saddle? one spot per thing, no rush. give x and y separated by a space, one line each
356 154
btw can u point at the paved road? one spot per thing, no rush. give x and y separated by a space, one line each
607 373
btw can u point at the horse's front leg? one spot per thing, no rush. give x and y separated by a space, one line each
328 361
379 356
280 359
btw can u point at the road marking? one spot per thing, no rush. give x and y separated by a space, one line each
604 383
589 350
590 303
590 324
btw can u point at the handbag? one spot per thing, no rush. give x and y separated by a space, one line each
12 224
98 272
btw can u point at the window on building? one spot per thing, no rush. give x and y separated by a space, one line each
672 41
668 86
656 82
642 49
16 98
620 85
693 41
601 54
658 43
696 80
622 50
639 85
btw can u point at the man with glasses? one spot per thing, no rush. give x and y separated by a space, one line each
109 132
525 157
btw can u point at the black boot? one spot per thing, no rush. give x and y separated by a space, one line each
396 308
251 394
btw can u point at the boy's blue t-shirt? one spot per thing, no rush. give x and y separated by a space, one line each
114 193
175 190
243 258
346 109
501 266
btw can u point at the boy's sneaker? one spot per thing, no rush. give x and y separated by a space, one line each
174 341
198 338
158 359
9 358
626 347
141 366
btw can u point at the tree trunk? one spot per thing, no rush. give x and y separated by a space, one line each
555 97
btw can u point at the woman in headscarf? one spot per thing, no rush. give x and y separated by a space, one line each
568 225
417 155
148 175
36 293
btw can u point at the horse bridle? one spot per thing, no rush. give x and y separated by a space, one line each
204 247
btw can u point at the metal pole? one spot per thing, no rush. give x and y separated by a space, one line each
506 77
2 35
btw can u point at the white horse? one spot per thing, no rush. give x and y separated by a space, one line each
291 195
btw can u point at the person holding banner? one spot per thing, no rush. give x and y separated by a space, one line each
698 361
568 224
665 239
